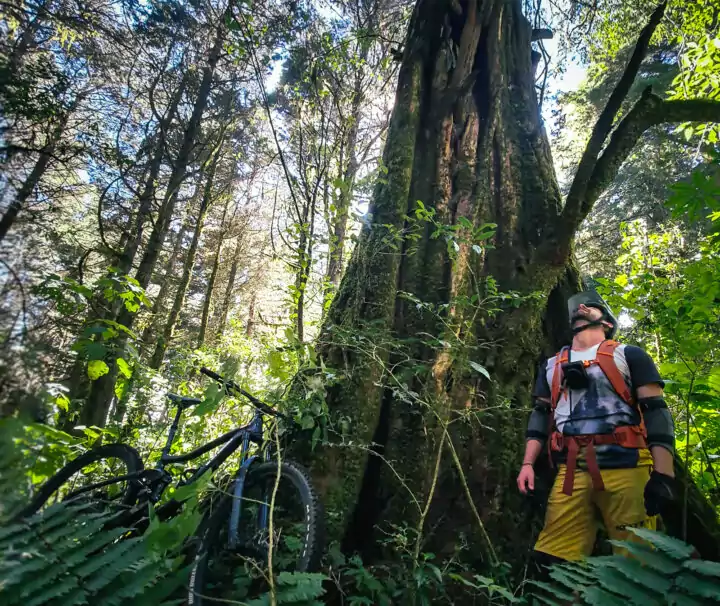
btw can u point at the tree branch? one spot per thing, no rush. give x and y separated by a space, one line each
650 110
575 200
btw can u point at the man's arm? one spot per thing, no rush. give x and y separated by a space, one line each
658 421
660 427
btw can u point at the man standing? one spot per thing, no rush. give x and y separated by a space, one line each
599 407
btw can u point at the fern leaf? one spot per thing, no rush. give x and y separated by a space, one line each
116 565
111 554
141 578
635 571
698 586
673 547
27 565
163 588
77 597
55 591
680 599
15 534
83 550
553 590
567 577
650 557
705 567
595 596
617 583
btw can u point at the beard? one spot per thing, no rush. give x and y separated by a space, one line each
578 315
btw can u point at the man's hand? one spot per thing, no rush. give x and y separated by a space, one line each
526 479
660 493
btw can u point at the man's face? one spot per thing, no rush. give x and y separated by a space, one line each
584 315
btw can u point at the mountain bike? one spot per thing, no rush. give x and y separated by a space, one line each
236 526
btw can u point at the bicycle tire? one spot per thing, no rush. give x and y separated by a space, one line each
127 454
219 516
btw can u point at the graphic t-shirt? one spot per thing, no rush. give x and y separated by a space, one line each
598 409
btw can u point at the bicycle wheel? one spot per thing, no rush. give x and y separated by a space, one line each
220 572
92 478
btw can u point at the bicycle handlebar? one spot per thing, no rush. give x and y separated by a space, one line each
212 375
231 385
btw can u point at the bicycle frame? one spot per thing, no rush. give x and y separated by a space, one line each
240 437
156 480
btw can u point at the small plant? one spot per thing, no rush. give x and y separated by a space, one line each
659 570
67 556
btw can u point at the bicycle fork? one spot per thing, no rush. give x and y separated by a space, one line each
237 493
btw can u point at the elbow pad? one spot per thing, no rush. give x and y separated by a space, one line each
658 422
539 421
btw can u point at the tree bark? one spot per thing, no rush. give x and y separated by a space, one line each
467 141
207 303
167 335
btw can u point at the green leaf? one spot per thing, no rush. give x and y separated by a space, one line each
711 569
479 368
635 571
62 402
680 599
96 369
554 590
599 597
649 557
673 547
95 351
699 586
124 368
465 222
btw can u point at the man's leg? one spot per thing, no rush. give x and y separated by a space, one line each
570 526
622 503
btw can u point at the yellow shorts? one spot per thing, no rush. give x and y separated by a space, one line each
571 522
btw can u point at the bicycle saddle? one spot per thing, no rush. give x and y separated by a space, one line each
183 401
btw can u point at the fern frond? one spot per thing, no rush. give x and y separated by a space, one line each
673 547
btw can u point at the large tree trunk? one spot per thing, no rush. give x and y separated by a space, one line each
467 141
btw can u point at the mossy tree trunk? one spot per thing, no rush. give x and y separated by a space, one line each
467 141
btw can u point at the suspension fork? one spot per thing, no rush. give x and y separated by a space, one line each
266 497
238 487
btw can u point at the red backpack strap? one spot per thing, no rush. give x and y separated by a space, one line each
606 361
560 359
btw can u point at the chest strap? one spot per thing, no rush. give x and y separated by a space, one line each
627 436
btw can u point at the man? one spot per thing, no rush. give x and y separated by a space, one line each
599 405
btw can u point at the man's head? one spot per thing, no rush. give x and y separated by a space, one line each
587 311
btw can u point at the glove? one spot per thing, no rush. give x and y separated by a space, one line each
660 493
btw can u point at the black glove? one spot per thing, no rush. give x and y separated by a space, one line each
660 493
